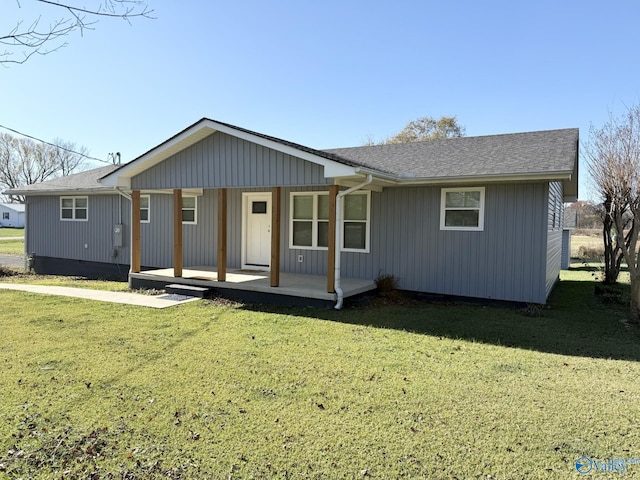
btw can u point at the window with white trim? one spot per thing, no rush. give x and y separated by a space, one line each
462 209
74 208
5 215
145 208
189 210
355 223
309 221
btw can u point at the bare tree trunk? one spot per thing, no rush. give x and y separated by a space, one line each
635 300
612 252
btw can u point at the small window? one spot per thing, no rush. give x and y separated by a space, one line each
259 207
189 210
74 208
145 209
5 215
462 209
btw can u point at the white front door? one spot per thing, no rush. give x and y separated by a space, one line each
257 231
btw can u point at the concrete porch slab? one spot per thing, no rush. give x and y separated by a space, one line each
292 285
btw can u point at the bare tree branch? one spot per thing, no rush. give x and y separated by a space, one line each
613 157
25 162
42 40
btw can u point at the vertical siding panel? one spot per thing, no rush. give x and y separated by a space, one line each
221 160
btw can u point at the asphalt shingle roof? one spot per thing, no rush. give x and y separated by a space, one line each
509 154
87 180
542 152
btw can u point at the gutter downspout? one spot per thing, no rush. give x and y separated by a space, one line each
336 282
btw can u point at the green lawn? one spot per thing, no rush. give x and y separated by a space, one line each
11 247
221 390
11 232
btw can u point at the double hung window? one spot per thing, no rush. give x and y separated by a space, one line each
462 208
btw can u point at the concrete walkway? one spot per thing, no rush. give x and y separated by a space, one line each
151 301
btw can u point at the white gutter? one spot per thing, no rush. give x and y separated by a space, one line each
125 195
338 256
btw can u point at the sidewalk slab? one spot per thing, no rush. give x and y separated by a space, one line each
137 299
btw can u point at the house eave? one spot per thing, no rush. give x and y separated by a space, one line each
62 191
387 180
199 131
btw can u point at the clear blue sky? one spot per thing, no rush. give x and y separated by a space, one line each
327 73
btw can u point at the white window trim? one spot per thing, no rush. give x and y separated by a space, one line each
314 220
367 224
195 210
443 209
73 209
148 209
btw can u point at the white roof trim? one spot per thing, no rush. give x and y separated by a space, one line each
122 176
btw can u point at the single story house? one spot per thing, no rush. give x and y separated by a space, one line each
221 206
12 215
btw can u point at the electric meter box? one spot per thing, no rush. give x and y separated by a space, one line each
117 235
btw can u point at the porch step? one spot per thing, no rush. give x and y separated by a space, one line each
188 290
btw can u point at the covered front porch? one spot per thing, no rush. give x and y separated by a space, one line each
254 285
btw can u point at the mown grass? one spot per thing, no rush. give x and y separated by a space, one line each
220 390
15 276
12 247
11 232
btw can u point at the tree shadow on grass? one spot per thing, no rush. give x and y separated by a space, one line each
574 322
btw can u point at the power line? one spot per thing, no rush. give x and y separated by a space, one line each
88 157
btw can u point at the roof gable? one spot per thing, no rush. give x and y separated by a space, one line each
333 164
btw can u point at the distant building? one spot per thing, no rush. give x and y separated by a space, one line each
12 215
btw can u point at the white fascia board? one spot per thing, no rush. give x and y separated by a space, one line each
331 168
122 176
67 191
549 176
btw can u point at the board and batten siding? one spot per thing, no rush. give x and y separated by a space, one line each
555 212
509 260
91 240
505 261
200 240
221 160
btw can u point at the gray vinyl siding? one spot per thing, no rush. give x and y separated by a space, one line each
505 261
566 249
554 235
221 160
67 239
511 259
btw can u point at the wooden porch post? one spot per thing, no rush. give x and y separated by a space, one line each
331 257
135 231
222 235
177 233
276 194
